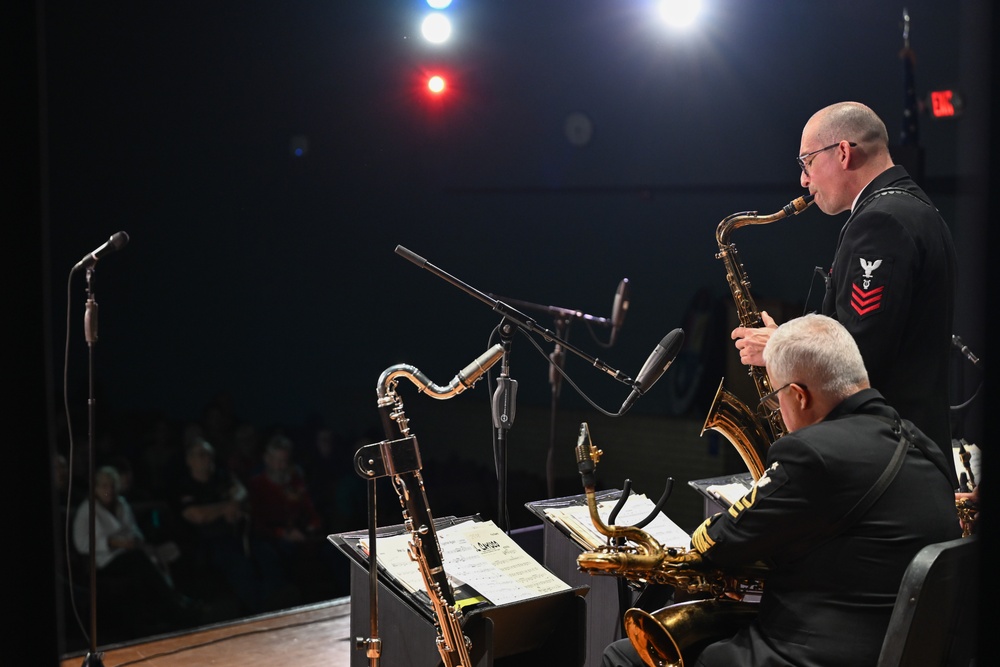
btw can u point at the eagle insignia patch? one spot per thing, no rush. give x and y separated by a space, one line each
870 276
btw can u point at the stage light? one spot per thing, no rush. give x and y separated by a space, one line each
438 4
436 28
680 13
436 84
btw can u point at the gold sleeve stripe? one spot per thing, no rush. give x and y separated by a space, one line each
700 540
743 503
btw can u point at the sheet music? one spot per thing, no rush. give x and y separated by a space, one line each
475 553
729 493
576 519
394 556
486 558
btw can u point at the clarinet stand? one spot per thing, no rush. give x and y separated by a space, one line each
93 659
373 644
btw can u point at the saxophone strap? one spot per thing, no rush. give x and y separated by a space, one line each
873 494
884 480
881 192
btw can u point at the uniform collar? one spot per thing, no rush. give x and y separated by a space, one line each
866 401
887 178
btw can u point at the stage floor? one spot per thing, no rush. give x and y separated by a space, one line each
311 636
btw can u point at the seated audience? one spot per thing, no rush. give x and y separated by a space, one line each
214 529
134 589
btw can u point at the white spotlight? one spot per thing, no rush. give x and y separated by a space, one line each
438 4
680 13
436 28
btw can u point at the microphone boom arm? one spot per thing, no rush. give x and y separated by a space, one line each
516 316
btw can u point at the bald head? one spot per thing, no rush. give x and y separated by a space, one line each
852 121
848 146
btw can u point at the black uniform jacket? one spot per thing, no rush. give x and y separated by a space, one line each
893 287
829 596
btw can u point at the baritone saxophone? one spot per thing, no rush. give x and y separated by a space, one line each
750 433
671 636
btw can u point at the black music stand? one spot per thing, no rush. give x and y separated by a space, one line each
540 631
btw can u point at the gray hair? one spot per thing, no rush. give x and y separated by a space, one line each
817 351
852 121
111 473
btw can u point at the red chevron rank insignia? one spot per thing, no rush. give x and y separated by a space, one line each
869 280
866 301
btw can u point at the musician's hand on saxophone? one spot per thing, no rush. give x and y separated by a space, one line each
750 341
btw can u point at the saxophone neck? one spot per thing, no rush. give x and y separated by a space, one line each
587 456
737 220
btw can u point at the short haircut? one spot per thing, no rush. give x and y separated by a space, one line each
817 351
852 121
112 473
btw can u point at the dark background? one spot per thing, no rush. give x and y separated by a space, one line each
271 279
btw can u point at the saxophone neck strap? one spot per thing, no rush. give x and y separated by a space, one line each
867 500
882 483
882 192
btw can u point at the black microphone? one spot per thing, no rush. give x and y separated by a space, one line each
116 242
619 309
656 365
964 349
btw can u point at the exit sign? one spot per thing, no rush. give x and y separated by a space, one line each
945 104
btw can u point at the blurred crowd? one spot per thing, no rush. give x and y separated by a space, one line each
205 521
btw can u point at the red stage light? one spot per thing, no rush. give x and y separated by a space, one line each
436 84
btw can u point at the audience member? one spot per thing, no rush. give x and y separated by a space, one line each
133 586
244 459
285 516
323 465
69 490
214 527
159 458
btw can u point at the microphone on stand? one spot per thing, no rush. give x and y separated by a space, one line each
116 242
964 349
619 309
656 365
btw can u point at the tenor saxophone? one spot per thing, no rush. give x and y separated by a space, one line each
671 636
424 548
749 433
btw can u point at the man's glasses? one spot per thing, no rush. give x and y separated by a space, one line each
802 158
769 403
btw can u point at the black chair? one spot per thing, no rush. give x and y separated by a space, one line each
935 620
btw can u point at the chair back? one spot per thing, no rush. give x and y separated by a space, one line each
935 620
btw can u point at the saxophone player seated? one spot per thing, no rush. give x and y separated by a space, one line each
836 561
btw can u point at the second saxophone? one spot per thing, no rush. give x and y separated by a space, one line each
749 433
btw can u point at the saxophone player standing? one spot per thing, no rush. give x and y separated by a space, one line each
892 283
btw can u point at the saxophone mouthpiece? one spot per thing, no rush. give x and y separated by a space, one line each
796 206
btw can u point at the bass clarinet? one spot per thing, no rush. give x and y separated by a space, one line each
400 460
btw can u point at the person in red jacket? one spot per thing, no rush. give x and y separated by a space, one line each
283 514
